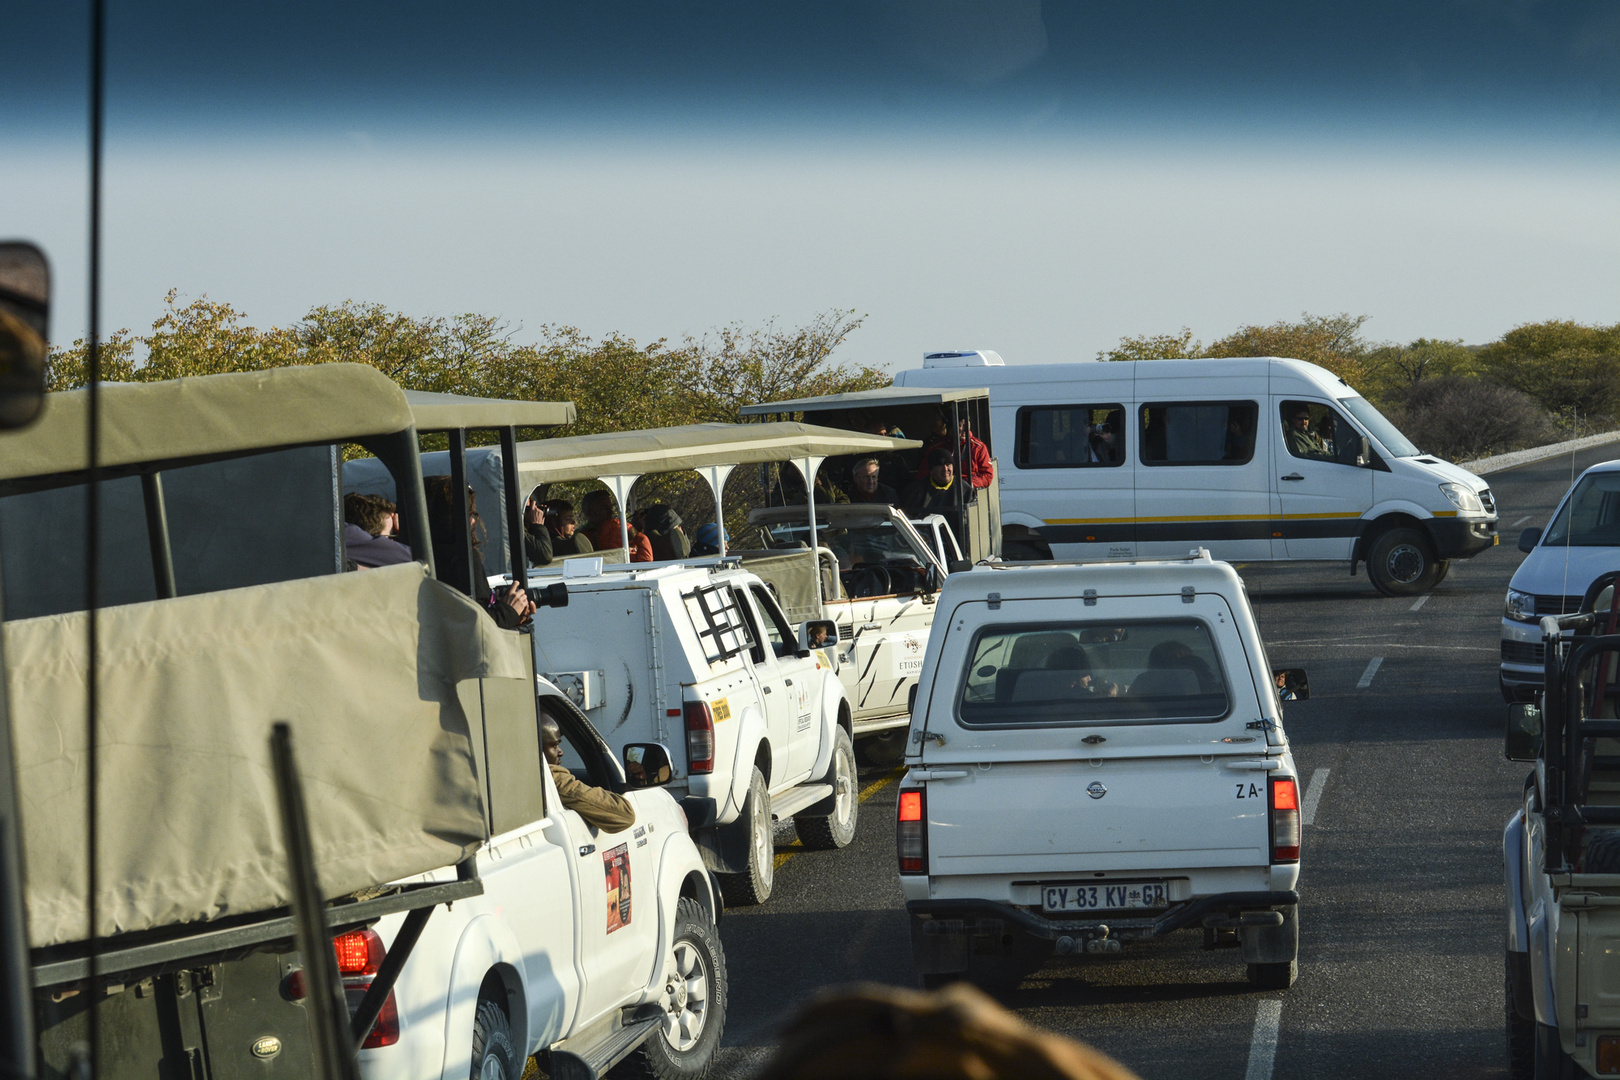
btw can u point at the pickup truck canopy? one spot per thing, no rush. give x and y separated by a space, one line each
882 397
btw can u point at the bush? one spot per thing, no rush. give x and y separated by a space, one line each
1459 419
1567 367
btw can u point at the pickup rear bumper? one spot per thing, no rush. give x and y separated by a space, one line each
1220 911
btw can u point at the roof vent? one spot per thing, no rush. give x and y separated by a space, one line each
963 358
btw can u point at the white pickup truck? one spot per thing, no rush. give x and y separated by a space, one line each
1097 756
703 658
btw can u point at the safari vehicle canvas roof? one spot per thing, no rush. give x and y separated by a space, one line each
442 412
208 416
692 446
883 396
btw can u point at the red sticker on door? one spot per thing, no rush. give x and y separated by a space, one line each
616 864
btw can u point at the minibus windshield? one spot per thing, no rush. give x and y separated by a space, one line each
1378 426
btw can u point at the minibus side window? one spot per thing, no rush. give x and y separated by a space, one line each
1070 436
1199 432
1317 432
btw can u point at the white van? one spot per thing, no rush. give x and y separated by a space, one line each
1580 542
1256 459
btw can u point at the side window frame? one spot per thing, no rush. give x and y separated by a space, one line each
1142 429
769 609
1340 423
1023 422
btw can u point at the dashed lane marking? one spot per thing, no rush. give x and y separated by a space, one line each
1420 602
789 850
1263 1047
1367 676
1313 795
1521 521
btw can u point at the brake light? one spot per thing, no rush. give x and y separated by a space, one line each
359 956
1284 821
699 737
911 832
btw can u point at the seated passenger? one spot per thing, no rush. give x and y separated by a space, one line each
602 528
1302 441
1177 655
706 540
511 607
937 492
369 523
566 539
601 809
1072 658
663 528
865 487
981 469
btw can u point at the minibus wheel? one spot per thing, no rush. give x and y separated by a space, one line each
1401 563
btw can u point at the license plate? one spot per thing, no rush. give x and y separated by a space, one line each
1125 896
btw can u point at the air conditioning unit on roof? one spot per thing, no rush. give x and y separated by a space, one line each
963 358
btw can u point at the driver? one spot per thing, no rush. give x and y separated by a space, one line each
601 809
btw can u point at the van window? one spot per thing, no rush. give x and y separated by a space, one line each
1158 671
1070 436
1590 517
1318 432
1199 432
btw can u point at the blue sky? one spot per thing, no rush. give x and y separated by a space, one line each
1035 178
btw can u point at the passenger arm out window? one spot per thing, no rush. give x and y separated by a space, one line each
1070 436
1199 432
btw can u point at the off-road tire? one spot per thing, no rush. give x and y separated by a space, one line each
828 832
1521 1033
1400 562
1551 1063
753 885
1602 851
697 945
1279 976
494 1057
884 749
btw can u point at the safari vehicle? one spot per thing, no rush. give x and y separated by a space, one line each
1561 852
1146 457
1098 756
210 635
704 659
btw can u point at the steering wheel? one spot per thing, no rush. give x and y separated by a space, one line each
870 579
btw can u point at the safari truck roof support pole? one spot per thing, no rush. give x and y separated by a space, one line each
809 466
716 477
458 502
157 535
16 1003
620 485
515 525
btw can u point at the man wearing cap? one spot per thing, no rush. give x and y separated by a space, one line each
980 467
601 809
938 491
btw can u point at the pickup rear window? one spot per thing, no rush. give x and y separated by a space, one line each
1158 671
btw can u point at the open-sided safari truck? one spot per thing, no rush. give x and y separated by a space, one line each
223 609
1561 852
949 418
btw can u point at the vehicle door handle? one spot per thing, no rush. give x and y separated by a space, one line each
937 774
787 682
1268 765
586 849
1292 476
767 689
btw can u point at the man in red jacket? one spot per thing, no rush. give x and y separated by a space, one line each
980 469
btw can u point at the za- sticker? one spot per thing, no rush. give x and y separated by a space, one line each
616 865
721 708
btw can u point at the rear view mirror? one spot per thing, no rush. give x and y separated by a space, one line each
820 634
1523 738
646 765
1292 684
25 286
1529 539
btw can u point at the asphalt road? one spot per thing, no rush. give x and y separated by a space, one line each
1401 910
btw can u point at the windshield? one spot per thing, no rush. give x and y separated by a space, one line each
854 545
1590 517
1378 426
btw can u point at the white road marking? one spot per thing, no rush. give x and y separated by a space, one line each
1419 602
1367 676
1263 1047
1521 521
1313 795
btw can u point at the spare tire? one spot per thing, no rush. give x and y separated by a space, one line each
1603 851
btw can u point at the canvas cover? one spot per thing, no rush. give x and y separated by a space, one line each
793 575
364 666
880 397
442 412
209 415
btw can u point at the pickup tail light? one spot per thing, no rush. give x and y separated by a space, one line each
359 956
1284 821
699 737
911 831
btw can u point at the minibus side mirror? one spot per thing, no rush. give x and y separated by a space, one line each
646 765
25 291
1529 539
1523 738
818 634
1292 684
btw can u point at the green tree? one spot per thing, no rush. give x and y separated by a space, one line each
1330 341
1393 370
1568 367
1180 346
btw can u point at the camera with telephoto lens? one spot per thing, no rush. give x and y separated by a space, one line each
549 595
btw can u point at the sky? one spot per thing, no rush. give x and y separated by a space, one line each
1036 178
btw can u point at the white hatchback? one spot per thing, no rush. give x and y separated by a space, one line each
1097 756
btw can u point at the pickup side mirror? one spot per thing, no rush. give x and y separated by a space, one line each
959 566
1292 684
25 287
1529 539
818 634
646 765
1523 738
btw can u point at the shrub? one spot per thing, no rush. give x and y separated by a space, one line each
1460 419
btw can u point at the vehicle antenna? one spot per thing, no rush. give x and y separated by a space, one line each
1570 524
